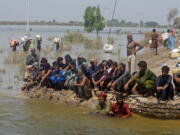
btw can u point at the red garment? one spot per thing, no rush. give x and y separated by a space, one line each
121 111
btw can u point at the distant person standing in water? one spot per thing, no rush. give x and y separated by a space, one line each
14 43
154 45
131 53
57 42
38 42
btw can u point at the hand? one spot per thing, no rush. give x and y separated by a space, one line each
113 84
126 86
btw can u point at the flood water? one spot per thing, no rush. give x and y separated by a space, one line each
22 116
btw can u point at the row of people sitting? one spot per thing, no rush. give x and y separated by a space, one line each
105 76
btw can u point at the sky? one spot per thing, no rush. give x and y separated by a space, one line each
67 10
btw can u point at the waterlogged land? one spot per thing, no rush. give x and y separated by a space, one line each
20 115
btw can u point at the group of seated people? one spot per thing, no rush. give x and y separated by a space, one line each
107 76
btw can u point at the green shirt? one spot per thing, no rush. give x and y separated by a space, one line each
103 110
148 75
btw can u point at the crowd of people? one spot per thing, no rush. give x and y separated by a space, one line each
26 43
107 75
85 78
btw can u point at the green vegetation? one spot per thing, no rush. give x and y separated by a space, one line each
73 37
93 19
171 15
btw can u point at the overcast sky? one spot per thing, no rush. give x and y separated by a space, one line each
66 10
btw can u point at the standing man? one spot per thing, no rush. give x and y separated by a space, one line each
154 45
131 53
38 42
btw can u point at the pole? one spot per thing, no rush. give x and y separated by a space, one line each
28 16
112 18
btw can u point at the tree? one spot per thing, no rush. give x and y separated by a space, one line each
99 21
151 24
89 19
171 15
93 19
177 22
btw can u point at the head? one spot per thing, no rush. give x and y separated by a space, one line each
102 98
168 30
154 30
68 58
130 37
119 99
142 65
56 67
33 51
165 70
73 66
101 68
122 66
60 59
43 61
104 62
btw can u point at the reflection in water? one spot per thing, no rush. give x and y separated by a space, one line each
30 117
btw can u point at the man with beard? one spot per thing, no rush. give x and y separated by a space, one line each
102 107
119 109
144 80
131 53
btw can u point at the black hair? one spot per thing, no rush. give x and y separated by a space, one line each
44 60
100 66
154 30
60 59
123 65
142 64
165 69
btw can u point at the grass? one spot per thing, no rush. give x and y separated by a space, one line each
78 38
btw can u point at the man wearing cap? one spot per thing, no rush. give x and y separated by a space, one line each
120 108
102 107
131 53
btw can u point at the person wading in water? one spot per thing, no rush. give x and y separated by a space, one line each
154 44
131 53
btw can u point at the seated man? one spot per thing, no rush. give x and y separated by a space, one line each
119 108
176 80
120 79
32 58
164 85
145 80
82 84
98 77
71 75
102 107
57 78
45 71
